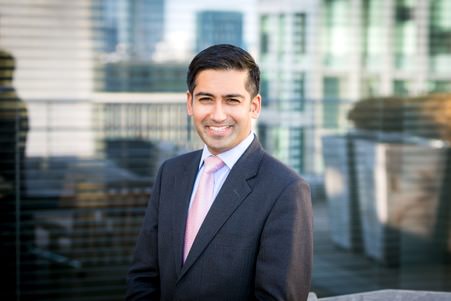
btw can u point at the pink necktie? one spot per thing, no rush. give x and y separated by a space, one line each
202 201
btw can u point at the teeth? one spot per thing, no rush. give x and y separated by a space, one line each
218 128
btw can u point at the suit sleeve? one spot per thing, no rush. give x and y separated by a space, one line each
143 278
284 261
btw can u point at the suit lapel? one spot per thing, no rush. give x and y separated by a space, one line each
234 190
181 199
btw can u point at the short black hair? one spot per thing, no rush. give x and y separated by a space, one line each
225 57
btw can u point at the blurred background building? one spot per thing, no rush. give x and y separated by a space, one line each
356 96
317 56
216 27
129 29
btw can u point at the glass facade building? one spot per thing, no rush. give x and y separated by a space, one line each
128 29
218 27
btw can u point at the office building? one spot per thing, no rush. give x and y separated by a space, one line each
133 76
318 57
218 27
130 29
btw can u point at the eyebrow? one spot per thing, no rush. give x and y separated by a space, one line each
234 96
203 94
224 96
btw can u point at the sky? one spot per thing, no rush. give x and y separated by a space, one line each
180 26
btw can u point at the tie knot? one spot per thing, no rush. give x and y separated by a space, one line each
212 164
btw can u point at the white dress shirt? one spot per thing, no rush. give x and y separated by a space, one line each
229 158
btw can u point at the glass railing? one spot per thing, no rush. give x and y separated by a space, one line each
380 193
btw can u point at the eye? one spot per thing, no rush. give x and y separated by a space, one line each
233 100
205 99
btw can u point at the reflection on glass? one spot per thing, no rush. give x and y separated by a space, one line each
14 126
98 103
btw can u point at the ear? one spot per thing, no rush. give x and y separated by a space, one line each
256 106
189 103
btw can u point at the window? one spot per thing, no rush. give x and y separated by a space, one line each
440 35
336 32
299 34
331 92
405 34
264 35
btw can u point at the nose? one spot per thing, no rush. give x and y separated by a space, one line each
218 114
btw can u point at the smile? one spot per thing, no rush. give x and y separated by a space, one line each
218 130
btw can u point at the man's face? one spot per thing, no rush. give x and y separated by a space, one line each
222 108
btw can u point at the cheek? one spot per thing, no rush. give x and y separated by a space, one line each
242 118
199 114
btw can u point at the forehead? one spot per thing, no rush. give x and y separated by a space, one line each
227 80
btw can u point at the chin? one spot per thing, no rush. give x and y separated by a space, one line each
217 147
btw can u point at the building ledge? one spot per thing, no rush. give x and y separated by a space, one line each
389 294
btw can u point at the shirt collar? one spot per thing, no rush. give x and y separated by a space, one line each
232 155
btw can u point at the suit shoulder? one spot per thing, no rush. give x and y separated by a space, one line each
279 171
182 159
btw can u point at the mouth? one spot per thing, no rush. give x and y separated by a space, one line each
218 130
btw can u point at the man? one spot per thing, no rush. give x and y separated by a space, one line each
255 242
13 137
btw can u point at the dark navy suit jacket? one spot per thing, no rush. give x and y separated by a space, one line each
255 243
